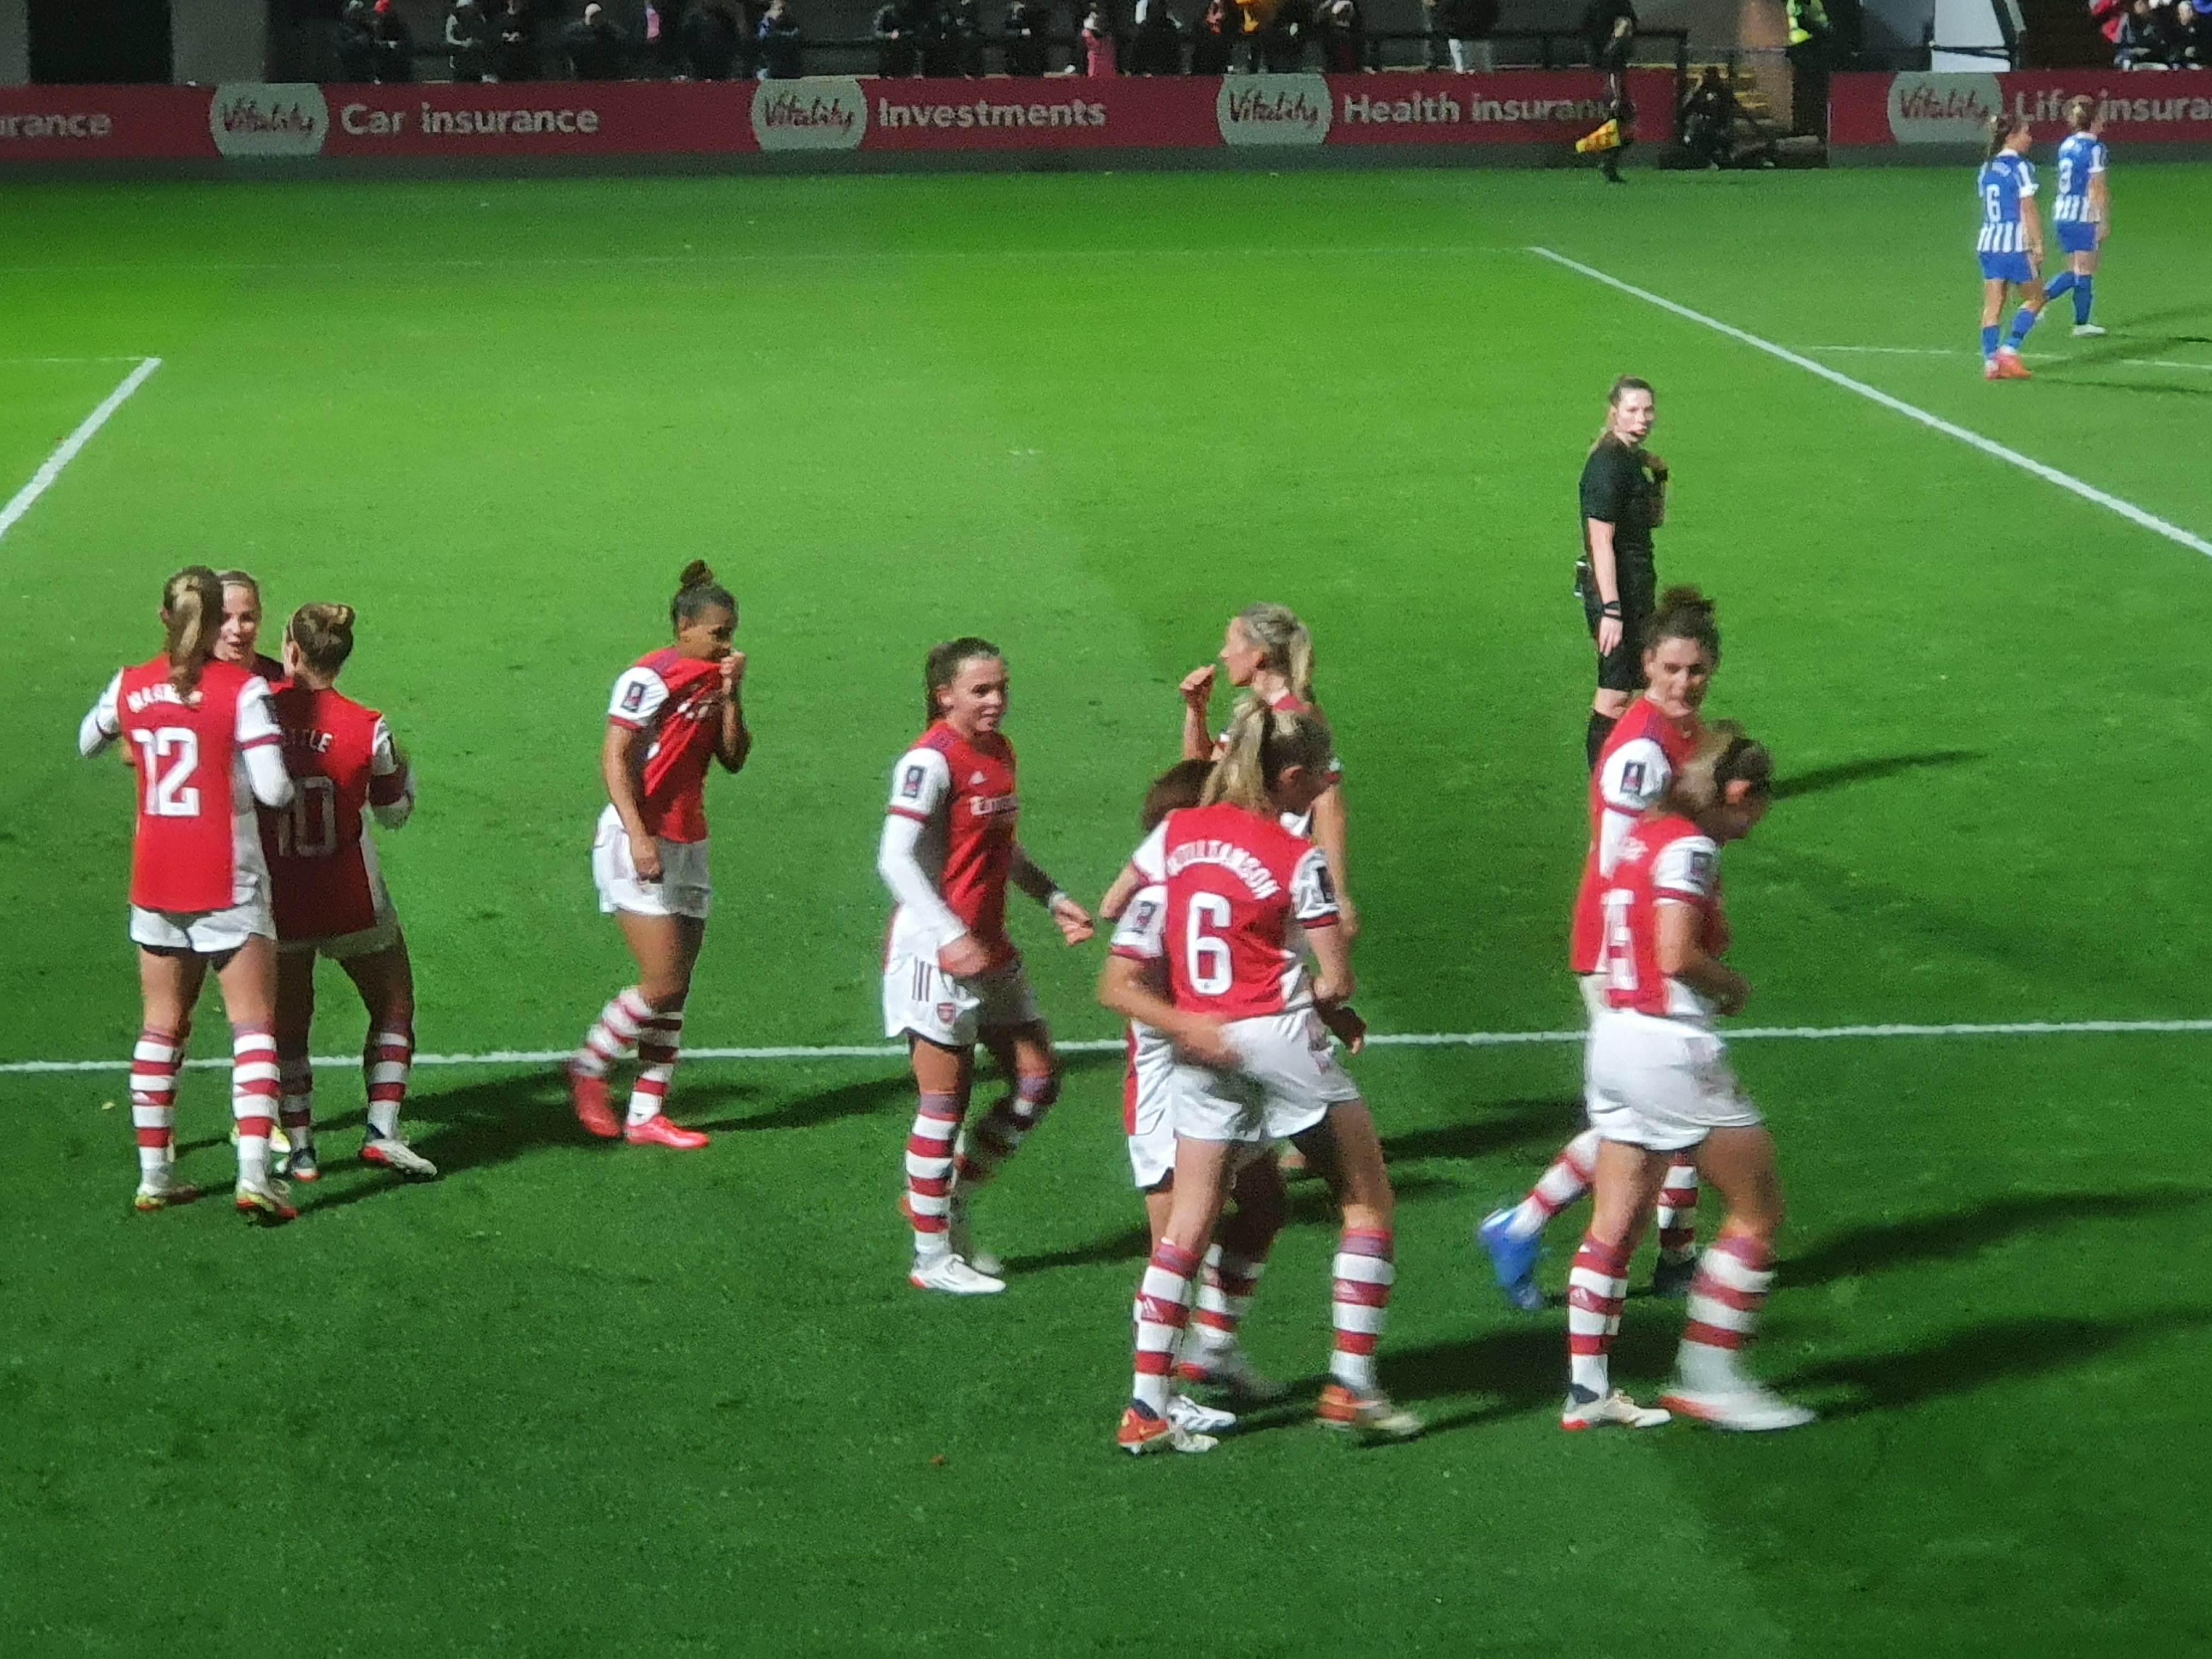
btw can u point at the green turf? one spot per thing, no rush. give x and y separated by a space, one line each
576 1399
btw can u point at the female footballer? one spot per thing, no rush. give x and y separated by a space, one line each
1659 1082
238 640
2011 246
1268 650
674 711
1624 499
205 747
330 893
1681 651
2083 211
1245 901
952 975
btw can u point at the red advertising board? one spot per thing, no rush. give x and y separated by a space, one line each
100 124
1267 113
1955 109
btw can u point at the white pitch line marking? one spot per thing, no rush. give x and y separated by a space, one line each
1113 1045
42 479
2087 492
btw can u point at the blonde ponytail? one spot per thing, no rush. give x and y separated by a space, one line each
192 615
1261 745
1724 755
1285 646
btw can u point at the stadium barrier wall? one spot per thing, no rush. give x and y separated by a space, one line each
1943 118
824 122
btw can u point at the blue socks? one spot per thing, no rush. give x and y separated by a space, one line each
2084 294
2023 320
1989 340
2059 284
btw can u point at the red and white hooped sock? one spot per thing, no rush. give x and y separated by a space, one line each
1595 1285
154 1060
1360 1302
1567 1180
614 1034
1006 1125
658 1042
929 1172
255 1087
1162 1309
1677 1209
1734 1276
1233 1278
295 1107
386 1064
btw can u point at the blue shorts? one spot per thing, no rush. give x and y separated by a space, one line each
2078 235
2006 268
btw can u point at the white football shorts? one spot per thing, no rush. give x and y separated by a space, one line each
204 932
1148 1104
1664 1084
920 997
1288 1081
684 889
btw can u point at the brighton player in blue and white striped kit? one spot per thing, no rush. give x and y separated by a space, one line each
2010 244
2082 212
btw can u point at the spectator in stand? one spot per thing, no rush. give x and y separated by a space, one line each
1343 35
783 54
1709 120
1158 49
895 50
1028 24
939 40
1283 47
2180 37
710 41
2108 16
395 46
595 46
468 40
515 49
967 38
1433 30
1468 25
1215 41
357 44
1099 44
2138 42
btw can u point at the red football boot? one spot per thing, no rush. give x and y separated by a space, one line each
590 1094
657 1130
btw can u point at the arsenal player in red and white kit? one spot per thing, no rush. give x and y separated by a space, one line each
675 712
203 741
330 893
952 975
1247 901
1654 737
1658 1082
238 641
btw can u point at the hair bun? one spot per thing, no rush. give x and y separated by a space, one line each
1687 596
697 573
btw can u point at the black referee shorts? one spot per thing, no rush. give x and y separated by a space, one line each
1621 669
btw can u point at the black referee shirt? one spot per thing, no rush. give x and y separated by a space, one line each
1616 490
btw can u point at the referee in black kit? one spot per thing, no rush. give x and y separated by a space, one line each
1624 499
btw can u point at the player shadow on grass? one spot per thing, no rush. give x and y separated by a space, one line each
1948 1237
1506 1126
1869 771
872 1094
1310 1207
1965 1360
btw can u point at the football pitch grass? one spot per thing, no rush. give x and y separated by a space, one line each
576 1399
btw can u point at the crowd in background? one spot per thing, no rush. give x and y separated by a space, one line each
2157 34
721 39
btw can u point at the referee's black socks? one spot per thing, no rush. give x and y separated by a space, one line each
1600 728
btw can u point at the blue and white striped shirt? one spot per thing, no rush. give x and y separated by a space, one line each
2006 181
2081 159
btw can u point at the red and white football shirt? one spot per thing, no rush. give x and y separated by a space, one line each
1287 701
321 866
1241 888
677 702
1633 768
963 795
1669 860
1141 936
197 848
